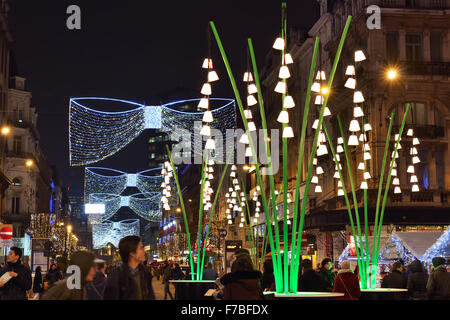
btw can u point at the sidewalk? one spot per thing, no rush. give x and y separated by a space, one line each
158 289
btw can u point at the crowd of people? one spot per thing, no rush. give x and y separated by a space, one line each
132 280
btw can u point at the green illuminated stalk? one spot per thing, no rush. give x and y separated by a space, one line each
301 149
269 158
355 201
377 210
285 171
186 224
366 219
210 218
278 279
388 181
314 149
200 214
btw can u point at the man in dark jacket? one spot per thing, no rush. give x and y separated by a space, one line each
96 288
397 280
130 281
327 273
53 275
417 281
310 280
209 273
438 286
167 276
16 288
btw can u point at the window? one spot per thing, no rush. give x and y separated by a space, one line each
418 114
20 119
440 169
15 205
436 46
438 117
422 170
16 182
414 48
392 46
17 144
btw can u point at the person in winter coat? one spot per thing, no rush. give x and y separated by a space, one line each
130 281
16 288
417 281
62 291
396 279
242 283
209 273
268 277
96 289
347 282
53 275
311 280
327 273
38 286
438 286
167 276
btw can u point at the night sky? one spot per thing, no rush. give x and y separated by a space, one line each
144 51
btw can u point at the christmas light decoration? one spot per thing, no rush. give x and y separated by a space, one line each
96 135
111 232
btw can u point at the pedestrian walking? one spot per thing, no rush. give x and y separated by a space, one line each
38 286
268 278
397 280
96 289
327 273
209 273
347 282
20 282
63 290
167 276
53 275
417 281
242 283
131 280
311 280
438 286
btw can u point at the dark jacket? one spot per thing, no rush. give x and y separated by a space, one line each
210 274
438 286
177 274
96 288
121 286
53 276
167 275
60 291
37 283
347 283
417 281
396 280
268 279
242 285
16 288
312 281
328 276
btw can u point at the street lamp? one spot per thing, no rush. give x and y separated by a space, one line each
391 74
5 131
29 163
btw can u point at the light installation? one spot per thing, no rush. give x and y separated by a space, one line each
95 135
112 232
146 206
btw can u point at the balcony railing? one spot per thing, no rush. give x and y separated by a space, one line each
415 68
412 4
426 131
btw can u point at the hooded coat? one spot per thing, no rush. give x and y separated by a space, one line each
312 281
242 285
60 291
397 280
438 286
347 283
16 288
121 286
96 289
417 281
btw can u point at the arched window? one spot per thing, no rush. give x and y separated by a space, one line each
16 182
418 114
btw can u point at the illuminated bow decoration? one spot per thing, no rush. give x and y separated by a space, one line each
112 232
95 135
146 206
